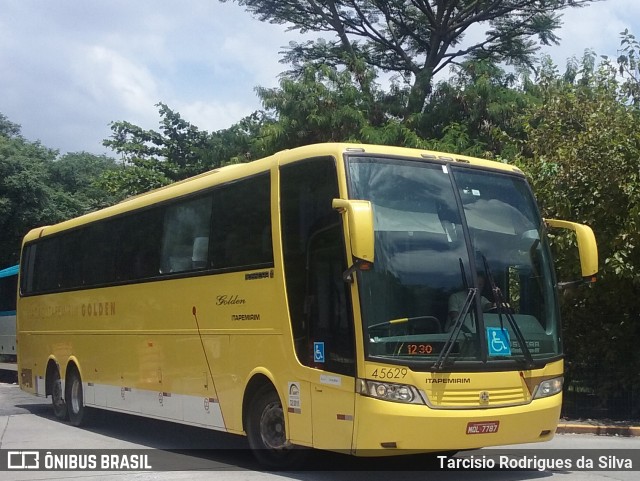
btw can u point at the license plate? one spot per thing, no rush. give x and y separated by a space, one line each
484 427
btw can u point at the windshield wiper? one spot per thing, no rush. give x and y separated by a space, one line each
503 309
457 327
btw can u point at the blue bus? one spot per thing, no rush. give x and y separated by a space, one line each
8 294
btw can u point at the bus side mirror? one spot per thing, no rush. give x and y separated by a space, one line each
361 235
587 247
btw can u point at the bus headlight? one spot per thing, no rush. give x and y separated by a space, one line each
401 393
549 387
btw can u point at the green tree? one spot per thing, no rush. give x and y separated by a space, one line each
78 174
414 39
477 111
321 105
629 65
26 197
177 151
243 141
39 188
152 159
7 128
582 153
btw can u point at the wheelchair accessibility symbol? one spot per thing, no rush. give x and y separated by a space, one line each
318 351
499 342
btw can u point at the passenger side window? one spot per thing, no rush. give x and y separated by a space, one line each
185 240
138 239
241 224
229 227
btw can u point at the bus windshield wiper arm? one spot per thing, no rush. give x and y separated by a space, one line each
502 308
457 327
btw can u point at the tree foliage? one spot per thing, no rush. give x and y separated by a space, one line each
39 188
477 111
322 105
152 159
582 153
414 39
25 196
629 66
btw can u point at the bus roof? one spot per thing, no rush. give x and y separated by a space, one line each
237 171
9 271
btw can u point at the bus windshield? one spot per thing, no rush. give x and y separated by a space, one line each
461 265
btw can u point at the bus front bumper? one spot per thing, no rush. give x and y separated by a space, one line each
395 428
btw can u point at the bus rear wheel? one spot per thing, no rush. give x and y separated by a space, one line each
57 399
267 435
75 399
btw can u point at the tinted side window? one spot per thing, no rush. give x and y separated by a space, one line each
227 228
138 237
27 266
47 265
185 242
121 249
100 252
314 260
241 224
69 273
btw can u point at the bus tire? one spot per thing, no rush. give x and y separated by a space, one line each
77 411
266 432
57 399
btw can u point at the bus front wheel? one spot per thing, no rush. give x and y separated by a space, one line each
266 432
75 399
57 399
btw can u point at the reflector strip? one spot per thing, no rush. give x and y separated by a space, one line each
345 417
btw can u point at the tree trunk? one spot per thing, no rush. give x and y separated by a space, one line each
419 92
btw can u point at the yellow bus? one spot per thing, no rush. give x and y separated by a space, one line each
365 299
